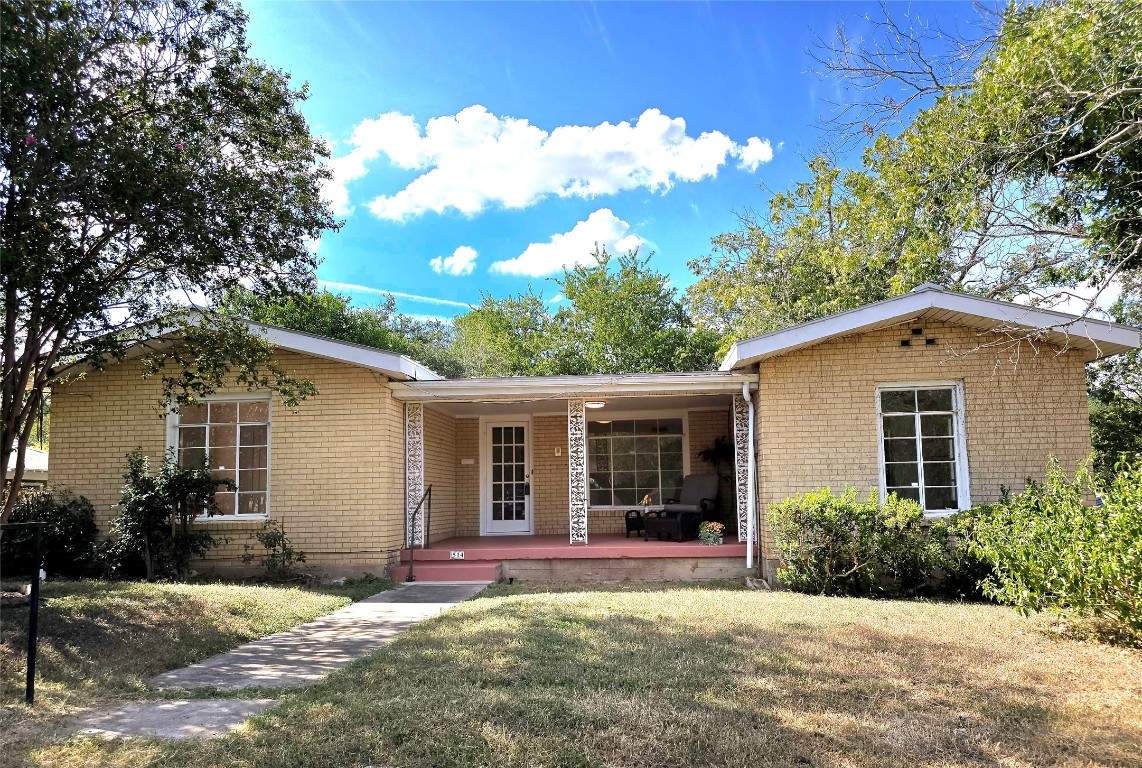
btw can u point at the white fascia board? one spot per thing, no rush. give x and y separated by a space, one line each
1100 337
389 363
538 387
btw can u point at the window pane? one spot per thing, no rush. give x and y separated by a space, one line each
598 428
622 428
252 458
601 497
647 480
940 498
251 503
898 475
192 437
646 445
938 449
624 479
519 435
192 457
223 413
650 492
497 492
900 449
624 462
671 485
899 426
942 473
671 461
497 473
497 454
906 493
647 461
670 427
519 454
931 426
626 496
225 474
225 502
622 445
192 414
497 511
935 399
670 445
256 412
252 480
646 427
253 434
224 434
223 458
898 402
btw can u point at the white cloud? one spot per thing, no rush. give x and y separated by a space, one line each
754 153
461 262
572 248
557 298
474 159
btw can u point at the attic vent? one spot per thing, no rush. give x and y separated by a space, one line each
906 342
917 331
929 342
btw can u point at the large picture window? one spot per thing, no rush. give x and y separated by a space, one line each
922 446
631 459
233 436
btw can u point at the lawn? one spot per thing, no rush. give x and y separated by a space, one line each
102 640
682 676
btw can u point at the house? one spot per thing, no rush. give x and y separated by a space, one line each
938 396
35 467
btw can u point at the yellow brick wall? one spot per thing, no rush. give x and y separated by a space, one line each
817 408
337 462
550 501
468 477
440 470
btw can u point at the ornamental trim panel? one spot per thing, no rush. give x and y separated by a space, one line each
414 470
577 471
741 463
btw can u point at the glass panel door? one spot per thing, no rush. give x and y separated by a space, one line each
507 488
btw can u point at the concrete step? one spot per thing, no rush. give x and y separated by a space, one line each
430 571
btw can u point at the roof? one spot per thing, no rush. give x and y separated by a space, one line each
540 387
1097 338
35 464
395 366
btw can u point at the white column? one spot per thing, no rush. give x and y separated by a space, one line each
577 469
414 470
741 464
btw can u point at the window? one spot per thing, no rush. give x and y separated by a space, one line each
233 435
634 458
922 446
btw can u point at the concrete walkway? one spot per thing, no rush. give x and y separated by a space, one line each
299 656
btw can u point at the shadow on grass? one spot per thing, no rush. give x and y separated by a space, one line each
668 679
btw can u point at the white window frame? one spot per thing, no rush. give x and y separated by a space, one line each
245 397
963 484
602 415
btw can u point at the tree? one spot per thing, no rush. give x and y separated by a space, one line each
147 163
627 320
333 315
621 316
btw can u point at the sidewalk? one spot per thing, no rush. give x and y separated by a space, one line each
300 656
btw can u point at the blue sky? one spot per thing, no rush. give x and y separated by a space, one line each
479 147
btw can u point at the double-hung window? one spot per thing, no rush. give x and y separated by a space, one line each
232 436
922 454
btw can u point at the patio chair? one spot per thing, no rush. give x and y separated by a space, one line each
635 522
680 518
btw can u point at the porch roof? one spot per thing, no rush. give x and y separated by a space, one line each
517 388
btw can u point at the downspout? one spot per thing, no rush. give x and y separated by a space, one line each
751 482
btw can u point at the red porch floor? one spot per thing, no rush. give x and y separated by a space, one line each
605 545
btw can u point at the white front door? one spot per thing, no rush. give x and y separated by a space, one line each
507 478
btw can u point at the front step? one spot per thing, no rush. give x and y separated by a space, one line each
429 571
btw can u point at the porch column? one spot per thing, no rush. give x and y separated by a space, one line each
742 469
413 470
577 463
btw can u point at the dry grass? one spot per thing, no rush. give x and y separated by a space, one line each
103 640
694 677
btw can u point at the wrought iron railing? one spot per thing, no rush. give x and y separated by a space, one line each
424 504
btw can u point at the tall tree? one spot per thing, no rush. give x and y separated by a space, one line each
333 315
512 336
147 161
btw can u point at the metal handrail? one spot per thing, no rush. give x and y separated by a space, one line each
410 528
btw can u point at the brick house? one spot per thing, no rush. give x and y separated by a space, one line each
939 396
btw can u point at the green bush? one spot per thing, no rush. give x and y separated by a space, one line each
279 559
1051 550
67 540
843 545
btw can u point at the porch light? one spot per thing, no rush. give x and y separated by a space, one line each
594 404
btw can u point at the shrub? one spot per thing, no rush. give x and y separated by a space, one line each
153 534
842 545
280 560
1050 550
962 571
67 540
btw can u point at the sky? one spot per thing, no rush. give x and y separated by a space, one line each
480 148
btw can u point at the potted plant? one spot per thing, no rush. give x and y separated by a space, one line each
711 533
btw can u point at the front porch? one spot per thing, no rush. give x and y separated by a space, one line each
608 557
